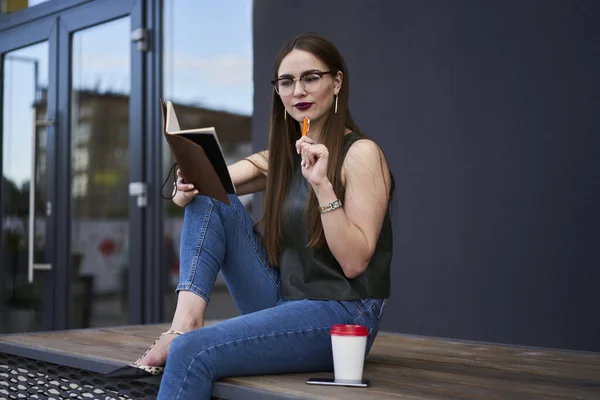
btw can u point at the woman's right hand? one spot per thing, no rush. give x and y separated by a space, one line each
185 191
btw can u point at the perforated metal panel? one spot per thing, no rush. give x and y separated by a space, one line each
23 378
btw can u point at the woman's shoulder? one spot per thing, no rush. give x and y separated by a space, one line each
362 154
359 145
365 163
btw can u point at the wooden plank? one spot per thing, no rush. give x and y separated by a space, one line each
112 346
108 347
400 367
294 385
470 383
391 350
386 380
121 344
469 349
487 368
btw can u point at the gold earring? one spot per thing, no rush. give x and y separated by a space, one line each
285 115
336 98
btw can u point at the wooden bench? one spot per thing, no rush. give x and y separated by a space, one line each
399 366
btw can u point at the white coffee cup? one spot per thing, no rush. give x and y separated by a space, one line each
349 343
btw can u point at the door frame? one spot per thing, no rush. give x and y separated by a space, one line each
153 281
79 18
14 38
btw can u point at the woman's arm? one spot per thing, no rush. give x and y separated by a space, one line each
249 175
352 231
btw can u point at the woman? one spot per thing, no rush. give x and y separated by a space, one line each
325 255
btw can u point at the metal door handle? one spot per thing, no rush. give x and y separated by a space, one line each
31 265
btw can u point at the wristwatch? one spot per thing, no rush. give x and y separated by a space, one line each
334 205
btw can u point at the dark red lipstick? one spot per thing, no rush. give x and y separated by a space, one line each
303 106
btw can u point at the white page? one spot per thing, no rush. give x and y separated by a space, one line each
172 123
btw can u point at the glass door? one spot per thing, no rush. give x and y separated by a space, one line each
99 180
101 126
73 192
27 112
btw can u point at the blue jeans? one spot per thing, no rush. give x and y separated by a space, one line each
272 335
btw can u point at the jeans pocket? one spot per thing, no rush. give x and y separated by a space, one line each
361 305
377 308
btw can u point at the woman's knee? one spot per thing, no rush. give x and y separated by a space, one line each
200 210
182 349
199 203
188 349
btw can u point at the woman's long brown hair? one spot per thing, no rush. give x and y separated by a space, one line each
282 153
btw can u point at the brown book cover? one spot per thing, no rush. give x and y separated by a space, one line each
198 155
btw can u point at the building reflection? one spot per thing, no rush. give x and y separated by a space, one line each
99 198
101 122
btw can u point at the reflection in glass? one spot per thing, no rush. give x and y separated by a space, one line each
11 6
210 83
25 83
100 173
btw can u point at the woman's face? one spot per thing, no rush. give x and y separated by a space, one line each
303 91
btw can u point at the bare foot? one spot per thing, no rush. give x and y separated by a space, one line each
189 315
157 357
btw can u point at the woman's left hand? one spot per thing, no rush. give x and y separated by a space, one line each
314 161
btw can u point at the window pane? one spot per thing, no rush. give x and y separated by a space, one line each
208 77
24 145
100 173
10 6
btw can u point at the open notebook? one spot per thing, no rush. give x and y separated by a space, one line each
198 155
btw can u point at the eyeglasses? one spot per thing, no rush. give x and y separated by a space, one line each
311 82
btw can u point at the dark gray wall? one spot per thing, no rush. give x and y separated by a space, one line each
488 112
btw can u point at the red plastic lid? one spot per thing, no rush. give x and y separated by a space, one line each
349 330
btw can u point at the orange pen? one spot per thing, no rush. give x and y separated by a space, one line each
305 126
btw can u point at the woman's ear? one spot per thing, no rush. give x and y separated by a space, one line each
337 82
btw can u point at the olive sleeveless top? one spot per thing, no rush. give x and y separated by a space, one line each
314 273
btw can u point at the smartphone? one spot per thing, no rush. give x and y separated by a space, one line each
339 382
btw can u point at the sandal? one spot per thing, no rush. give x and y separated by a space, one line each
136 370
